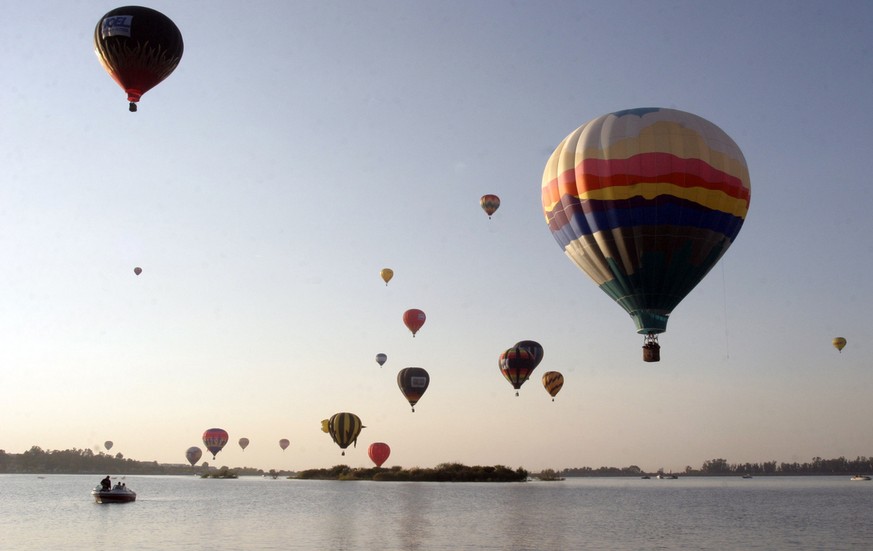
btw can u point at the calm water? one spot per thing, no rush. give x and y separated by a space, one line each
171 513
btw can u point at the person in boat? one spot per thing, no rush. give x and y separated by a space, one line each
106 484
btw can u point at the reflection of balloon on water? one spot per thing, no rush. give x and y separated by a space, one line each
107 445
214 440
646 201
137 270
489 203
413 381
193 455
516 364
139 47
243 443
378 452
387 274
344 428
414 319
553 381
839 343
284 443
381 359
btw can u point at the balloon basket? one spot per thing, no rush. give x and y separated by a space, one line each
651 349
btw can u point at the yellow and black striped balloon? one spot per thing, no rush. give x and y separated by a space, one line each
344 428
553 381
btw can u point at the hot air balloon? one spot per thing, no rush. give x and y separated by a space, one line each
413 382
137 270
414 319
489 203
214 440
344 428
387 274
379 452
381 359
139 47
553 381
193 455
646 201
107 445
534 348
284 443
839 343
243 443
516 364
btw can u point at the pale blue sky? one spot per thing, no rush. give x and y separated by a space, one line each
301 147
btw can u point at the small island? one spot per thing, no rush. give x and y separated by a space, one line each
444 472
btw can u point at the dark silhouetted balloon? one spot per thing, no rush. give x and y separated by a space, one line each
413 381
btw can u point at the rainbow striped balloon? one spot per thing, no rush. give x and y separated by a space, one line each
646 201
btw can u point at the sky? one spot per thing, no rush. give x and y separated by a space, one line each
299 148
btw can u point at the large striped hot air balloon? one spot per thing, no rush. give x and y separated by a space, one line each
646 201
214 440
516 364
344 428
553 381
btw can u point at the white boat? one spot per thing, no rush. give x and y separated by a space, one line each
118 494
860 477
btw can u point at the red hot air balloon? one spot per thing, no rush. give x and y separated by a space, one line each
379 452
490 204
284 443
139 47
516 364
214 440
414 319
413 381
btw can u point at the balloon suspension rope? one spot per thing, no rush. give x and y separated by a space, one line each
650 340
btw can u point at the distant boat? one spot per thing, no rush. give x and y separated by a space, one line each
671 476
645 477
119 494
747 475
860 477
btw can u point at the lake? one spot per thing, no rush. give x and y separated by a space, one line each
172 512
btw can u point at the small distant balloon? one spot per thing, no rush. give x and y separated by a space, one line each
379 452
490 204
381 359
193 455
839 343
414 319
284 443
137 270
107 445
243 443
387 274
553 381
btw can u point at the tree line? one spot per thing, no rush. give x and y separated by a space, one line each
721 467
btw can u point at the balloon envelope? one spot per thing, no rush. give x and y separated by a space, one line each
137 270
839 343
490 204
379 452
387 274
646 201
381 359
533 348
344 428
414 319
243 443
413 381
107 445
284 443
516 364
214 440
553 381
193 455
139 47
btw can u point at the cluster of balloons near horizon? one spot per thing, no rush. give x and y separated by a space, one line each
645 202
139 47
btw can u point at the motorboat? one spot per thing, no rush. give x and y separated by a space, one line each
118 494
662 476
860 477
